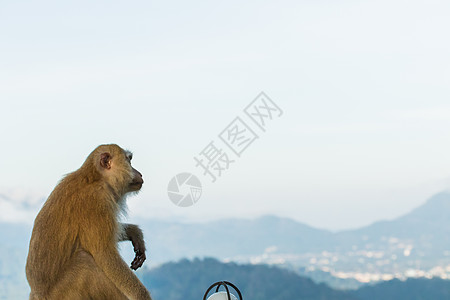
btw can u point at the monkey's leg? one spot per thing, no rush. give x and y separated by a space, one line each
83 279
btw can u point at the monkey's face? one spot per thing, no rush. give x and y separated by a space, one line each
137 181
116 166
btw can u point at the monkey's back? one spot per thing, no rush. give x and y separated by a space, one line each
55 235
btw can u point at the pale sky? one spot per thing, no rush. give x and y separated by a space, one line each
364 86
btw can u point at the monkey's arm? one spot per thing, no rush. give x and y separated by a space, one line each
101 241
134 234
120 274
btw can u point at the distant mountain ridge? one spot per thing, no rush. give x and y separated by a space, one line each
416 244
428 225
431 216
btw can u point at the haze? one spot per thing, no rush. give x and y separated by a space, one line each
364 87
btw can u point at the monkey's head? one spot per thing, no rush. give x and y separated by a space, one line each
114 165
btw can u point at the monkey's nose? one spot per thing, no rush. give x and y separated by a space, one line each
138 180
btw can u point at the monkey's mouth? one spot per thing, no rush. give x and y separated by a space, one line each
137 184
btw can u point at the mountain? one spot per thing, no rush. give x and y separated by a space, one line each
419 239
426 228
428 222
414 245
411 289
231 238
189 280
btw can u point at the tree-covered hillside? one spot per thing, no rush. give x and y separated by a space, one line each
411 289
189 279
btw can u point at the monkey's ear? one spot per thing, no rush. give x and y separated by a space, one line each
105 160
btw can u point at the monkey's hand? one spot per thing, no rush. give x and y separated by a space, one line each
139 249
134 234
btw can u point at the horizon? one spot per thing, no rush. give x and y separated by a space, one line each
228 218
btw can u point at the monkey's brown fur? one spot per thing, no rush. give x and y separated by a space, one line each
73 249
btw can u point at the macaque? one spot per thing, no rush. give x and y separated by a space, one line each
73 250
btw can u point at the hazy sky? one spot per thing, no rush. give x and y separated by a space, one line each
364 86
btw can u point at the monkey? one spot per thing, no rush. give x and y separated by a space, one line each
73 251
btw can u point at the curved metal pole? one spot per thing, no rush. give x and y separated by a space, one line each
225 284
